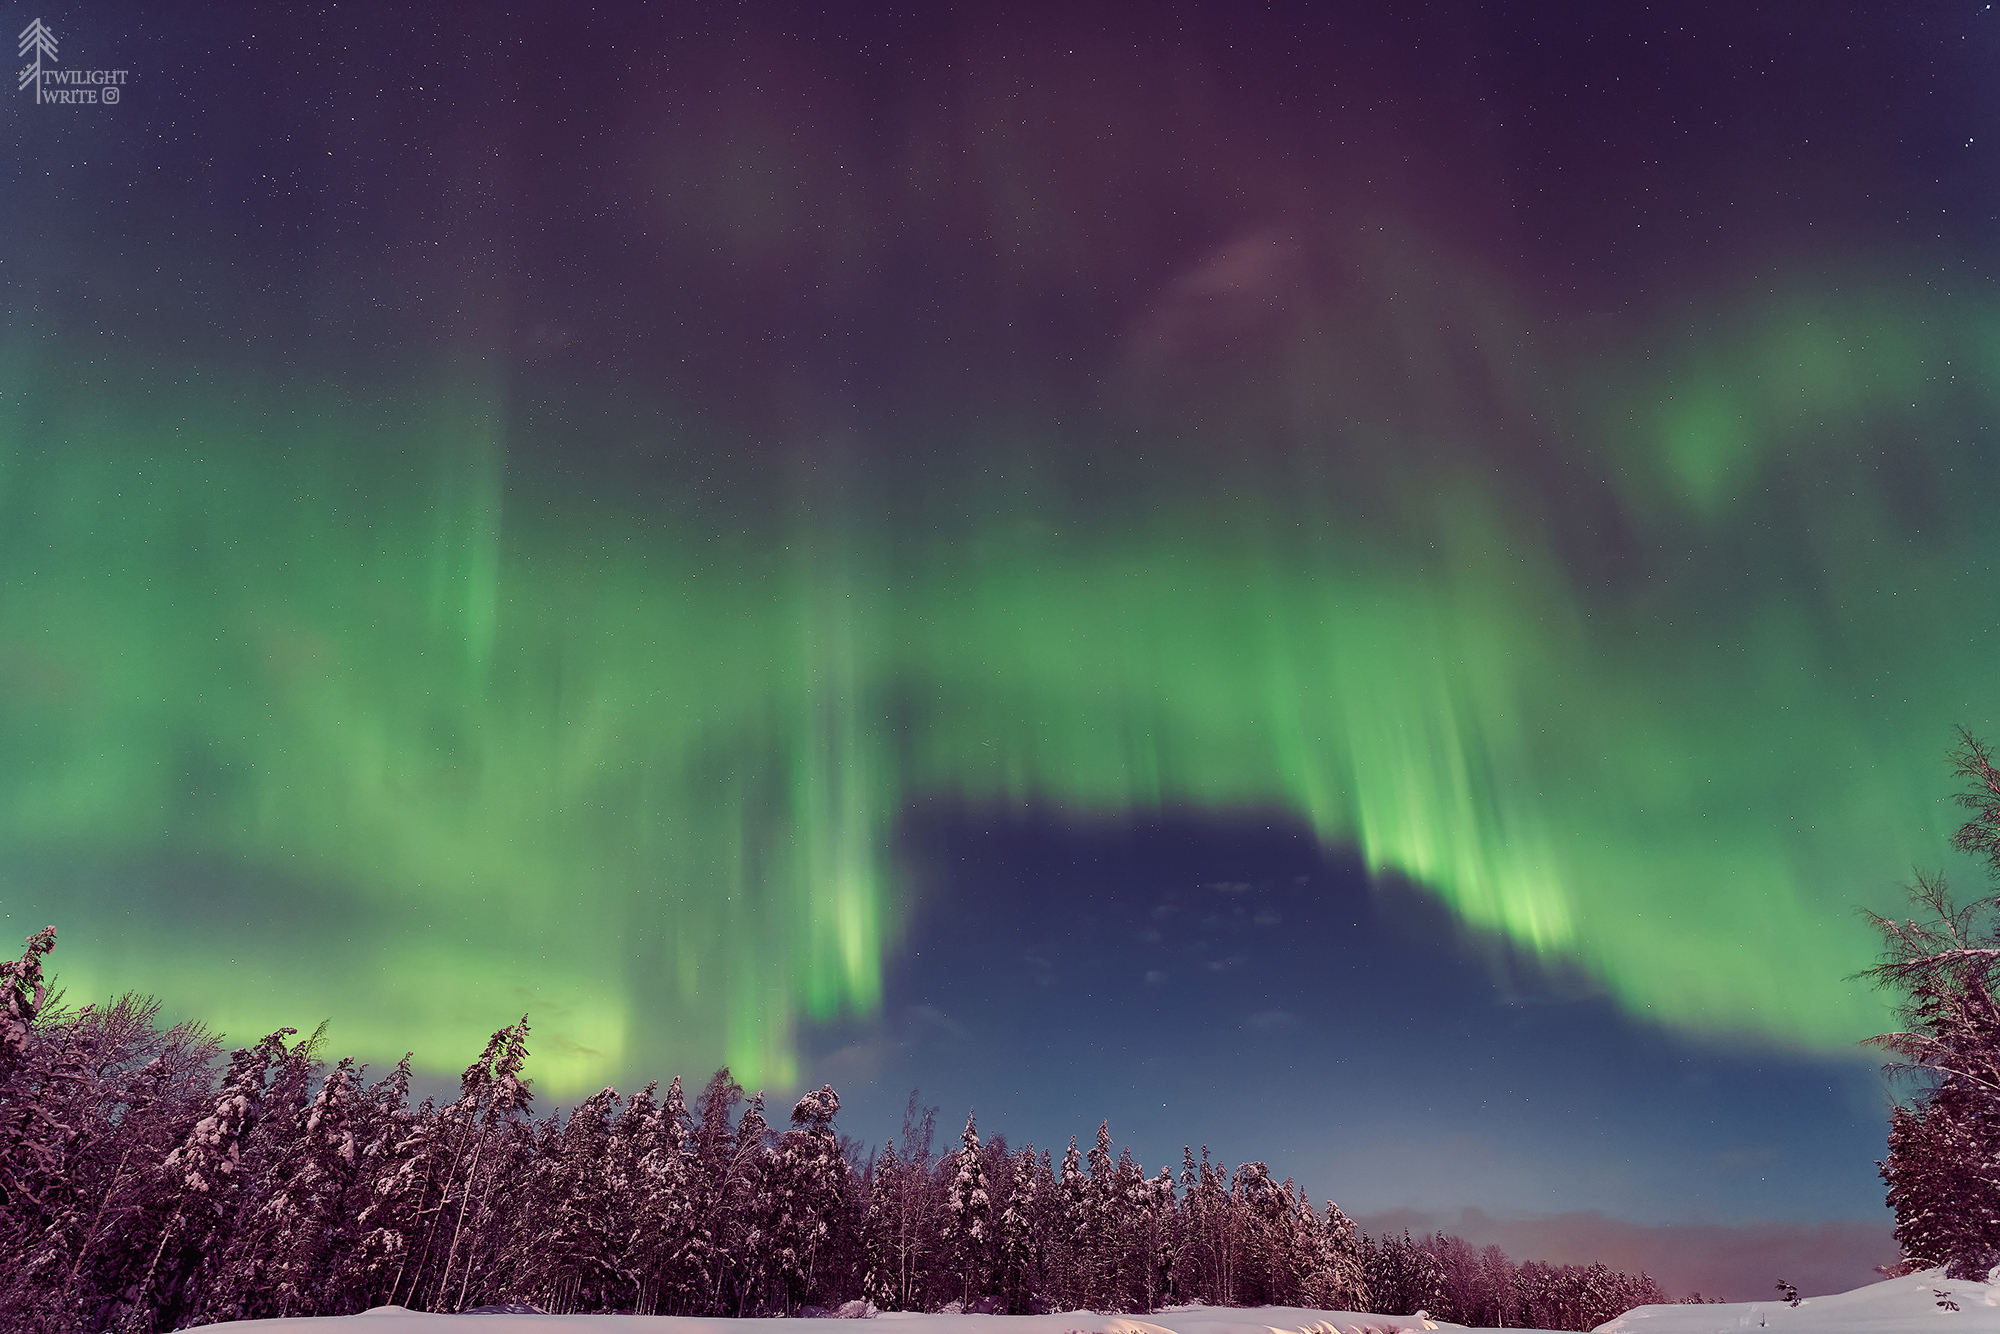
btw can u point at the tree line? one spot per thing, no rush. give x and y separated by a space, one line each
149 1183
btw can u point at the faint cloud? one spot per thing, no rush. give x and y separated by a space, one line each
1154 977
1150 936
1224 965
856 1063
1241 299
909 1031
1272 1021
563 1044
1042 970
1267 917
1231 886
542 1007
929 1020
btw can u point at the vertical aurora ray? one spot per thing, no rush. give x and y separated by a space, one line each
442 741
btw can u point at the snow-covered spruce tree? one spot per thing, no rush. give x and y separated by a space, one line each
967 1226
1943 964
997 1162
747 1242
1017 1275
1207 1240
710 1154
1309 1259
647 1190
807 1196
572 1243
1189 1267
1498 1305
1099 1244
1403 1277
1157 1239
1346 1283
669 1212
1130 1278
1262 1241
1070 1281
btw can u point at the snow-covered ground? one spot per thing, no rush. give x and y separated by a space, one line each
1175 1320
1895 1306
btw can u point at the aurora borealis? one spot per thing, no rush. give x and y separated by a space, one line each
523 527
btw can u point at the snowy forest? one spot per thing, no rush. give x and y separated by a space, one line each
150 1184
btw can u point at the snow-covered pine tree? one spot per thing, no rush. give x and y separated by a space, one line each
31 1135
237 1279
124 1094
204 1178
23 994
238 1276
400 1152
1207 1235
307 1216
444 1180
494 1096
966 1229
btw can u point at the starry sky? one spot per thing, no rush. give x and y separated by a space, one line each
1371 589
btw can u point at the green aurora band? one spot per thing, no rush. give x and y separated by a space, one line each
323 702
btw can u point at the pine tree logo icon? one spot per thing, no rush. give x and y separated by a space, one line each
36 37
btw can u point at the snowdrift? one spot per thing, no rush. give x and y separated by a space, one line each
1895 1306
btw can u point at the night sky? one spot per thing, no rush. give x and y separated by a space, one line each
1372 590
